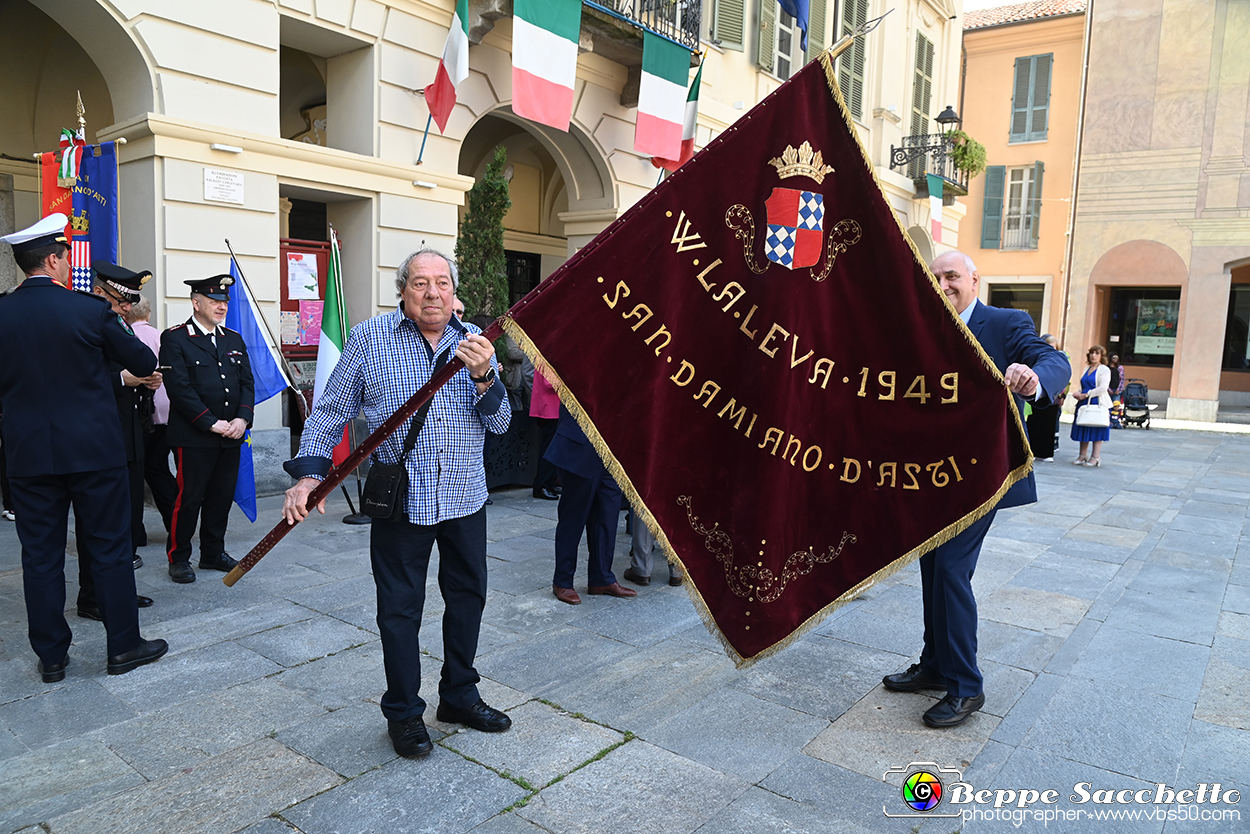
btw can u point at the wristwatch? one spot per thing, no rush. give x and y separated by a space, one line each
488 377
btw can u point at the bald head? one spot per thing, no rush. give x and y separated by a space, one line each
958 276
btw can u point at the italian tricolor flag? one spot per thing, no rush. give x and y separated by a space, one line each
544 59
935 207
453 69
334 329
661 97
689 124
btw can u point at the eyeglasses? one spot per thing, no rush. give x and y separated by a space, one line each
123 302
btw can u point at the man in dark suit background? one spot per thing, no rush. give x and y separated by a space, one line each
590 500
64 447
1034 370
211 397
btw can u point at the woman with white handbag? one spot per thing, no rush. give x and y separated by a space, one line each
1093 412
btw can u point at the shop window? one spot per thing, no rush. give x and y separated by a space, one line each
1143 323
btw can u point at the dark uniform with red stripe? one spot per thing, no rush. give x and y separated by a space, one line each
206 382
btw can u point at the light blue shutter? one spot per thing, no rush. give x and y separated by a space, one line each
1030 99
992 207
1039 98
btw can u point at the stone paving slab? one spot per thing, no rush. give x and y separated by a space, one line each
1225 695
736 733
1044 611
177 678
441 793
186 734
341 679
349 741
60 778
1089 721
564 654
64 713
222 794
638 788
884 730
543 744
296 643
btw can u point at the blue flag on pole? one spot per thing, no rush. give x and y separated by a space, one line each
93 221
267 373
800 10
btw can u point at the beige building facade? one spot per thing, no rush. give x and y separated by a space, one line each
1021 99
1160 262
312 108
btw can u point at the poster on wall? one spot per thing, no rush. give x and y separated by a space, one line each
310 322
1156 326
289 327
301 276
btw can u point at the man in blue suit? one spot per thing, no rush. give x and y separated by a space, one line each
590 500
1035 371
63 440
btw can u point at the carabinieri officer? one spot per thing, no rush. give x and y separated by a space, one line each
209 380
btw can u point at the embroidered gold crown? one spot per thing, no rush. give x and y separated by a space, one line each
78 223
801 163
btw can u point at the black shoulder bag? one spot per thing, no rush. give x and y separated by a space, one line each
386 485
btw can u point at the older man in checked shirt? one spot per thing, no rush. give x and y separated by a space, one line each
386 359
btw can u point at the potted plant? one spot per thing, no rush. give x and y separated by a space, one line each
967 154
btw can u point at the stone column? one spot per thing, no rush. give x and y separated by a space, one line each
8 269
1195 393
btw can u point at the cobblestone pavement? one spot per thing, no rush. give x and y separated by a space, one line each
1114 638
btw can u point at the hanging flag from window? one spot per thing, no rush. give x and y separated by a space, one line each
800 10
689 124
544 59
453 69
268 376
334 330
661 97
90 202
935 207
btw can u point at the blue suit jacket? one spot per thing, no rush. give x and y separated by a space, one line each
571 450
1008 336
56 389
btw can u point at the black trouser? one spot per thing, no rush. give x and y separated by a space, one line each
156 472
1043 424
206 481
400 552
545 477
101 518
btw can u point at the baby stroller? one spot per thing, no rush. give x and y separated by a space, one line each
1136 411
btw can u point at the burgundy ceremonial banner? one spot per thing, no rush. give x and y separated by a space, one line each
772 376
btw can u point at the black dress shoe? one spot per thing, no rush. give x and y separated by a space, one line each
675 579
92 612
479 717
138 563
53 672
146 652
636 577
914 679
221 562
143 602
546 494
181 572
952 710
410 738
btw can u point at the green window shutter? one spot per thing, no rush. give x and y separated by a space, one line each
766 37
816 40
1020 100
1037 199
922 86
1039 98
992 207
1030 99
729 24
852 63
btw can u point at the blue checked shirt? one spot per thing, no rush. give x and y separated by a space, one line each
385 361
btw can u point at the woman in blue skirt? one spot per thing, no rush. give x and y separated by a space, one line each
1094 384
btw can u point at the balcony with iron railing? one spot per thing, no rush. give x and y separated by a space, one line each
929 153
678 20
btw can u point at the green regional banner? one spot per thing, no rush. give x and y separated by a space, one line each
767 368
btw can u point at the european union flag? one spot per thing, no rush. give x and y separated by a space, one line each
267 373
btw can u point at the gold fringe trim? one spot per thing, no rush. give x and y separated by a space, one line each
643 512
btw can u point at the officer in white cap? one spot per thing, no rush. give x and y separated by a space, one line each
64 446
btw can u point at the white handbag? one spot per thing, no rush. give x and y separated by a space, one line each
1096 416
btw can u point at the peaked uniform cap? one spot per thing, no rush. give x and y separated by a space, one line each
217 287
50 229
122 280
